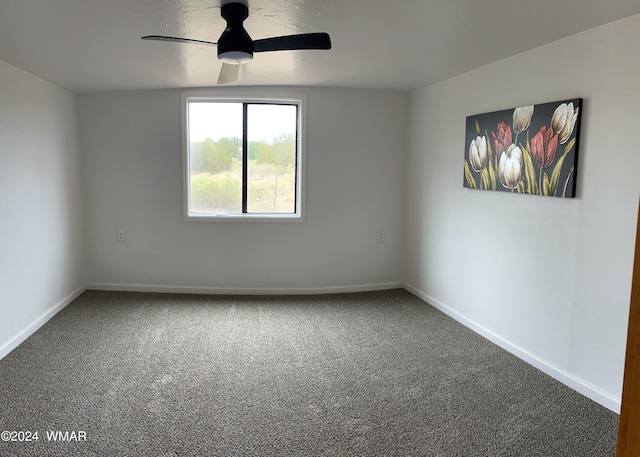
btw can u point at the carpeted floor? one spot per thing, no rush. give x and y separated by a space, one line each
366 374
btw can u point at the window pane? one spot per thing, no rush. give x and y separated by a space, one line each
215 158
271 167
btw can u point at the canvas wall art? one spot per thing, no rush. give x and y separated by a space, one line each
529 149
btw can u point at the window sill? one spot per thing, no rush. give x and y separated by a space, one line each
244 218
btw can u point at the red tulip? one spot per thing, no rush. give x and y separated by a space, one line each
503 139
543 147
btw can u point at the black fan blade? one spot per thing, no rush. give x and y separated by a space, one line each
177 40
293 42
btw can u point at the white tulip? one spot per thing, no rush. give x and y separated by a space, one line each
510 167
478 153
522 118
564 120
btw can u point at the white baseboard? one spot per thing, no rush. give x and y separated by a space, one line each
578 384
14 342
244 290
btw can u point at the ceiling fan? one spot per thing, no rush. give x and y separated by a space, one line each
236 47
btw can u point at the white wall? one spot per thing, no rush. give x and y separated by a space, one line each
548 278
41 229
356 144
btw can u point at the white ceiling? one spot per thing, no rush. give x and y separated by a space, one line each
95 45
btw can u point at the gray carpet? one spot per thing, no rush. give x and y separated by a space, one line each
366 374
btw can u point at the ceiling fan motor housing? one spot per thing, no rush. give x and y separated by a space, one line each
235 45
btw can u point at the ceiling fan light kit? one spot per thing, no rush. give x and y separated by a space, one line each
236 47
235 57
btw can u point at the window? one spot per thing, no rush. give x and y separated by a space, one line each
242 158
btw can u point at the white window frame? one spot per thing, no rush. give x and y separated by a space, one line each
265 96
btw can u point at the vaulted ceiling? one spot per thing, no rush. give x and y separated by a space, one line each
95 45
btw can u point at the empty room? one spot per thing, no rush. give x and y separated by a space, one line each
300 228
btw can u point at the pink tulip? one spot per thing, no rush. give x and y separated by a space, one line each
502 139
543 147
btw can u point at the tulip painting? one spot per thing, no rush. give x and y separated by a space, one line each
530 149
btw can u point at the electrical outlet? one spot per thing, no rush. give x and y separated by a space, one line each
121 235
380 237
